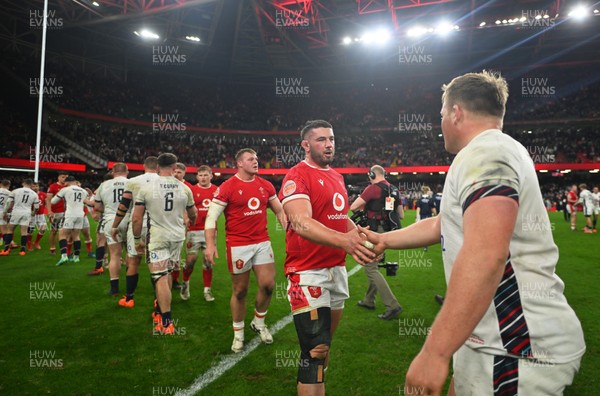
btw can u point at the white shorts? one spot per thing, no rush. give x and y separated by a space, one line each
481 374
86 222
195 241
105 227
240 259
323 287
596 210
57 221
73 223
20 218
131 252
39 221
168 252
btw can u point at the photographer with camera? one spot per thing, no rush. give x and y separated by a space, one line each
383 212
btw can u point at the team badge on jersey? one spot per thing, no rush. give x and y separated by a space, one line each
289 188
206 203
315 291
239 264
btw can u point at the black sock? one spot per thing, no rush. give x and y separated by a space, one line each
132 281
99 256
23 242
166 318
7 241
114 286
76 247
63 246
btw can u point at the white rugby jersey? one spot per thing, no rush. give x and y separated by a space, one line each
109 195
587 198
596 199
4 196
73 197
529 316
165 199
25 200
133 186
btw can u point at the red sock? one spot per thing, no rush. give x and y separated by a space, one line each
29 239
187 273
38 238
175 275
69 246
207 275
88 246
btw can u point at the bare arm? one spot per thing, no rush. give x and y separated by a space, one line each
192 214
424 233
275 205
137 219
299 213
124 204
476 274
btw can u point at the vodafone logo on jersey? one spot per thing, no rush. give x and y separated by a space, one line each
253 203
338 201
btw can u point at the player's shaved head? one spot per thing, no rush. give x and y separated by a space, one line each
27 182
313 124
151 163
119 167
166 160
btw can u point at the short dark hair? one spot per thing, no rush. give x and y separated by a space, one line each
313 124
5 182
151 162
181 166
63 173
70 179
166 159
28 181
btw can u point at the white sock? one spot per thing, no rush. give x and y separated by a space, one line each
207 289
238 330
259 318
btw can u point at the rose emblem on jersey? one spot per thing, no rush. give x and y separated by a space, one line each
289 188
338 201
206 202
253 203
239 264
315 291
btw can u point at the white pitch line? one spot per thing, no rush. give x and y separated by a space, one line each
228 361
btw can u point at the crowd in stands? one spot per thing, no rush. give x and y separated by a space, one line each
366 119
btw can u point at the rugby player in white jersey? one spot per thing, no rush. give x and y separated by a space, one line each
107 200
4 195
134 257
498 253
165 199
22 205
586 199
74 199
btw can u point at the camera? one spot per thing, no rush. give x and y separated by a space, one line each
390 268
360 218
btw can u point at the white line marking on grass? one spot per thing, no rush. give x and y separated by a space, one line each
228 361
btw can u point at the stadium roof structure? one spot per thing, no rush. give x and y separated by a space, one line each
246 40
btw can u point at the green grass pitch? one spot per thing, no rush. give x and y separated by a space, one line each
63 335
